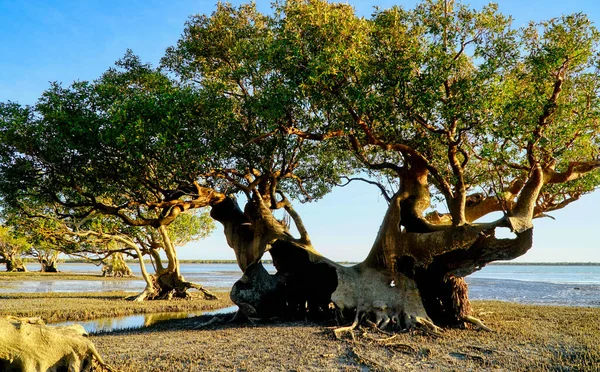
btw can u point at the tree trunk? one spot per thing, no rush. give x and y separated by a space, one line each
168 282
116 267
412 277
48 266
15 264
307 284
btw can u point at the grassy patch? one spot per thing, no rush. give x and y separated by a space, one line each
57 307
35 276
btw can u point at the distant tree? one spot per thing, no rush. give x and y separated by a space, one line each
123 146
43 247
105 240
47 258
108 243
116 266
12 249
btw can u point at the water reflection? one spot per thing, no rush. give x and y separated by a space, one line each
140 320
553 285
58 285
217 276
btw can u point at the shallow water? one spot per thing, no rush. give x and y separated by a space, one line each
140 320
556 274
218 276
529 292
537 284
532 284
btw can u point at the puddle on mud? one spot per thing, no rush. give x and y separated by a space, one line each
140 320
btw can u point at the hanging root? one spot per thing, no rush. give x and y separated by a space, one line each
477 322
382 320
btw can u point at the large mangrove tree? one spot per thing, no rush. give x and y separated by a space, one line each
460 114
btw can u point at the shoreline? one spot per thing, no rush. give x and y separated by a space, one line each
229 262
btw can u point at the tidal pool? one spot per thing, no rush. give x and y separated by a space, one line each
140 320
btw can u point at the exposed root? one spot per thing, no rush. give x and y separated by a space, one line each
99 361
374 326
391 343
178 290
214 320
238 317
369 361
28 344
477 322
341 330
208 295
146 294
428 325
384 340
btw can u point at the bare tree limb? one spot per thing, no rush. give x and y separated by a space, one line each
384 192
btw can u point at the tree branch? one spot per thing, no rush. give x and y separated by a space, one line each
387 196
574 171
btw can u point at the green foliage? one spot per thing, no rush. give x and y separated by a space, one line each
296 100
232 54
131 136
12 245
190 227
443 75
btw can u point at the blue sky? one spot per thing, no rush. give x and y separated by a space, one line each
64 41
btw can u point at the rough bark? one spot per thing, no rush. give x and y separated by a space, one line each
307 284
28 345
412 277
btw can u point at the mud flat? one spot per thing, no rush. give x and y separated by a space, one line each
525 337
55 307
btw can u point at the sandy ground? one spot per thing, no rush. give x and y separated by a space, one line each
525 338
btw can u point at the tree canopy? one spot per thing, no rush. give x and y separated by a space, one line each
441 101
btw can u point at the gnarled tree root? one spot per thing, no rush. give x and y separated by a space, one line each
146 294
341 330
213 321
168 289
477 322
28 345
208 295
410 323
384 300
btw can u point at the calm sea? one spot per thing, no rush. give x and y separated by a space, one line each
532 284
